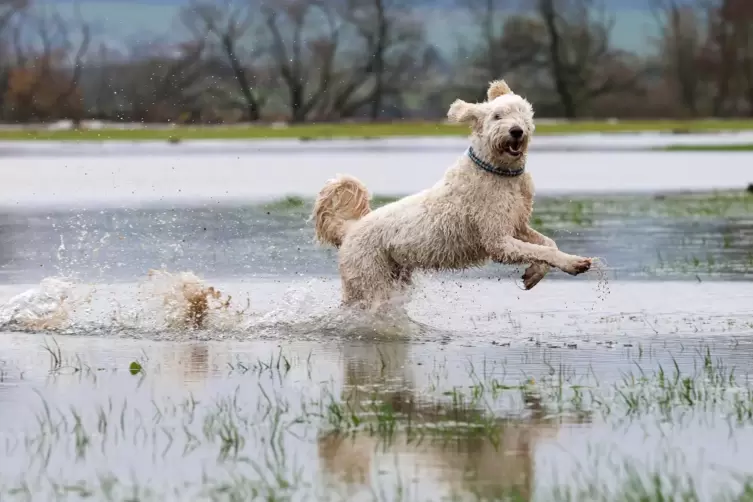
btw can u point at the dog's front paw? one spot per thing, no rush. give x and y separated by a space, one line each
534 274
577 265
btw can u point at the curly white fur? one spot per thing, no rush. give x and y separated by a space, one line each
467 217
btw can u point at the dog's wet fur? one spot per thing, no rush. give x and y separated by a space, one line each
468 217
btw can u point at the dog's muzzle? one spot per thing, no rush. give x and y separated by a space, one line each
515 141
511 142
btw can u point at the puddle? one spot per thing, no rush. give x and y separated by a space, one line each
231 373
345 419
697 237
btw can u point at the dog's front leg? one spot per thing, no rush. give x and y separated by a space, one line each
513 251
537 270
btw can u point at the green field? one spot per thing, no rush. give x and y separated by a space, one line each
367 130
710 148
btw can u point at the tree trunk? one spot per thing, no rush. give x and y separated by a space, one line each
252 105
557 66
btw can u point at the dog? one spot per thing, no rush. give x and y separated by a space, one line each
479 209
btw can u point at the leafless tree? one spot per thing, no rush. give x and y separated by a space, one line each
581 60
303 38
229 22
680 44
163 84
731 37
505 45
48 66
392 42
9 8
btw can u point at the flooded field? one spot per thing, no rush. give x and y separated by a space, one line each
114 175
196 351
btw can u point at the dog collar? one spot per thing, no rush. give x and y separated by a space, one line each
500 171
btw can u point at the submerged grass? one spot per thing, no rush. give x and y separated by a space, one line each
249 441
367 130
287 203
584 211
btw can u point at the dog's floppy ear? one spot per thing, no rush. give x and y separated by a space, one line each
462 112
497 88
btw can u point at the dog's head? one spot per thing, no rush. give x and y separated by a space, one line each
502 126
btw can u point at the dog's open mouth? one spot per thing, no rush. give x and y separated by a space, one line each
514 148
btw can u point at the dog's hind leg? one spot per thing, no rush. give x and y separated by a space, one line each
368 284
403 276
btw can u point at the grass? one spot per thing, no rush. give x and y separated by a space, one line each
582 211
287 203
368 130
709 148
248 446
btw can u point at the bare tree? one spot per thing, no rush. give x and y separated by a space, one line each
680 43
717 56
732 34
44 82
504 45
9 8
581 60
303 42
229 22
161 83
392 43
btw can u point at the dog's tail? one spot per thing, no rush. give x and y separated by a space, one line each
341 201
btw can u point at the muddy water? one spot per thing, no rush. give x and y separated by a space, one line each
588 385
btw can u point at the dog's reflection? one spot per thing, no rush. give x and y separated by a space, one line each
187 364
495 460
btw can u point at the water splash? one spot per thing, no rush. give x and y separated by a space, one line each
189 304
47 307
180 305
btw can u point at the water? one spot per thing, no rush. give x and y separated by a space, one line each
89 175
591 387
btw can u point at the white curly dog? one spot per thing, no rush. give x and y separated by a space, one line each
480 209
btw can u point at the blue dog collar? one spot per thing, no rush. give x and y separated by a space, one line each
500 171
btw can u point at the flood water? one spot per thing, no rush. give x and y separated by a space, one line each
627 383
131 175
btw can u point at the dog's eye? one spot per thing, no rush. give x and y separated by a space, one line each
497 116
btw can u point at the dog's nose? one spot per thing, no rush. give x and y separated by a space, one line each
516 132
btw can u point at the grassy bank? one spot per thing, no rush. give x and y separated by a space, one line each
710 148
366 130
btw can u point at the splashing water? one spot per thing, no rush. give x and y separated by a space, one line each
48 307
175 305
189 304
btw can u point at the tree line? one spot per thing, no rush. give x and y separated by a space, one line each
329 60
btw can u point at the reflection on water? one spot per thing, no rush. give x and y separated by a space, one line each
454 442
349 419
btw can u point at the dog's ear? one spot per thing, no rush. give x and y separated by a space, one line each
497 88
462 112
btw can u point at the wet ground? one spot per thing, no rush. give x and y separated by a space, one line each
627 383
